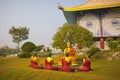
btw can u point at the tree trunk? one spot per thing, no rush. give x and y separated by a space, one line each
18 47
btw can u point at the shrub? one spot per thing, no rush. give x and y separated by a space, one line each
38 48
93 50
24 55
3 52
42 55
112 44
7 51
118 40
98 55
12 51
28 47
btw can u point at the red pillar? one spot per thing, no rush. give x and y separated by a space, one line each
101 30
101 43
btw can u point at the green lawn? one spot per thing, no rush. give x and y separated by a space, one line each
18 69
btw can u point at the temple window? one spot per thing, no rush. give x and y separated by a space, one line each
114 23
89 24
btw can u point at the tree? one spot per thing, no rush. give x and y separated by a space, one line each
19 34
74 34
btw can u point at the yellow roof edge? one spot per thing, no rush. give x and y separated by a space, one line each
89 7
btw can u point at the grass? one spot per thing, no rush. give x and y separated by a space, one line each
14 68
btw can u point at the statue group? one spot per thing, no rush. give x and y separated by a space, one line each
67 63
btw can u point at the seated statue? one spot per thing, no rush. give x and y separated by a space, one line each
85 66
49 62
65 64
34 62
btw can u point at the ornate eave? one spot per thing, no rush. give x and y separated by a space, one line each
94 4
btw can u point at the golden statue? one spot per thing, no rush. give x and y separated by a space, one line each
71 52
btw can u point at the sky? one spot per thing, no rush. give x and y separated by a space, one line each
42 17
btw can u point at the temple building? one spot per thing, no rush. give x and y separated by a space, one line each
101 17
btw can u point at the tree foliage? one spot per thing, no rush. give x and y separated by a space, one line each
7 51
19 34
74 34
28 47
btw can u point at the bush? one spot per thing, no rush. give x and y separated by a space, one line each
28 47
38 48
3 52
42 55
8 51
113 44
93 50
24 55
12 51
98 55
118 40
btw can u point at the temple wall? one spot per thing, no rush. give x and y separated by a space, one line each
108 20
87 19
110 24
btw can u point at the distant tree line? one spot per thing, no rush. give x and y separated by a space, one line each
7 51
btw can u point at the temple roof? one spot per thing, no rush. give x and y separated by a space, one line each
95 4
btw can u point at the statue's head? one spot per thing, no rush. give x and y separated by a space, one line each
68 44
